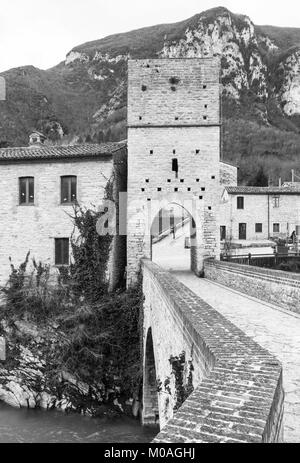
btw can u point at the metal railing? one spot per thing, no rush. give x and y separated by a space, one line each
263 260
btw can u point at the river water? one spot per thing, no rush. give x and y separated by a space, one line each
37 426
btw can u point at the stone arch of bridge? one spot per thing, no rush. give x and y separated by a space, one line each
176 236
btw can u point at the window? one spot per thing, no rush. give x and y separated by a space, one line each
61 251
242 231
68 189
240 202
175 166
26 190
258 228
276 227
223 232
275 201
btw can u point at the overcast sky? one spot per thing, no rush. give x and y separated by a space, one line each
41 32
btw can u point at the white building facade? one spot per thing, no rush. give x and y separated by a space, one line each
39 189
259 213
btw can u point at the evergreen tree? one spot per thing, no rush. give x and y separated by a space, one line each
259 179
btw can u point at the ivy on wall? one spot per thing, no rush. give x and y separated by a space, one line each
182 375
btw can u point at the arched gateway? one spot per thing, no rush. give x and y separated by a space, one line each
173 151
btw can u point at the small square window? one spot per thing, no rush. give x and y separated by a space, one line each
258 228
205 106
240 202
147 180
169 180
176 118
143 189
202 189
174 151
205 117
200 197
213 177
175 189
276 228
140 118
151 151
182 180
209 208
197 151
204 87
189 189
158 189
198 180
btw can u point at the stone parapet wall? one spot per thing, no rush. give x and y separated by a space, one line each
238 394
273 286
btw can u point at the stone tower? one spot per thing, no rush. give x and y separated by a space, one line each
173 152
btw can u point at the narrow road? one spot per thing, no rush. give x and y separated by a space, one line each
273 328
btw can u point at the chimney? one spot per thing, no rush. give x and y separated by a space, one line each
36 140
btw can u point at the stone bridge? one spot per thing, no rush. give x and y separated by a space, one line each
234 386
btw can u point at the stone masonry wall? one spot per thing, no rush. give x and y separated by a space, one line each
238 395
228 174
273 286
173 92
33 228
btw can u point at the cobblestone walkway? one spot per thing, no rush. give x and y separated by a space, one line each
273 328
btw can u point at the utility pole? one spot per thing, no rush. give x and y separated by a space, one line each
293 176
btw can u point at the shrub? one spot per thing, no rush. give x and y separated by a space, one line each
32 296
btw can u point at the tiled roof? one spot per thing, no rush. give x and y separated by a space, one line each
229 163
255 190
60 152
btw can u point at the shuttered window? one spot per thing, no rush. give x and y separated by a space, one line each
68 189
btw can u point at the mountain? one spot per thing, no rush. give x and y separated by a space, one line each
84 97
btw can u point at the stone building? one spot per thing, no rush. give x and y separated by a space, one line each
259 213
39 188
173 152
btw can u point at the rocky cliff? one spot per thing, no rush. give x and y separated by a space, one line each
86 94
